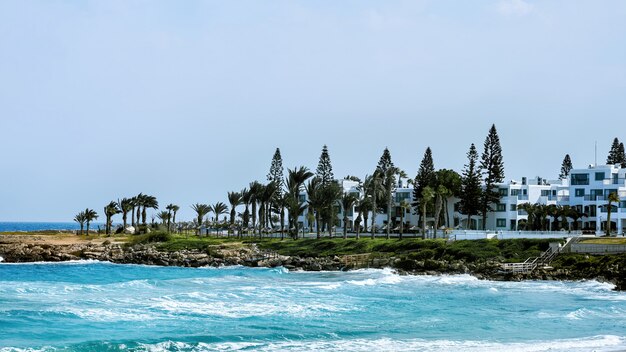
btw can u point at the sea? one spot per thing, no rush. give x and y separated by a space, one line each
99 306
44 226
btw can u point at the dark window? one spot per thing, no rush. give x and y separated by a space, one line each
580 179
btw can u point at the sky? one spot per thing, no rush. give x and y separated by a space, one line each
187 100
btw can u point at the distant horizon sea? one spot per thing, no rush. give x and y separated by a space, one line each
26 226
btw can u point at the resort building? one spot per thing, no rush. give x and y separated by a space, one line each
586 190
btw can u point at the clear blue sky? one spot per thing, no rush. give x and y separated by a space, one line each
186 100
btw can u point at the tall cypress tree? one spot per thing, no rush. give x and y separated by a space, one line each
384 163
324 167
386 171
470 185
425 178
276 171
566 167
493 171
614 157
621 156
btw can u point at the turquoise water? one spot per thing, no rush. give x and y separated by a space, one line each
42 226
93 306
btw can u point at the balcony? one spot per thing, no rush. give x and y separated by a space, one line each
522 197
559 198
594 198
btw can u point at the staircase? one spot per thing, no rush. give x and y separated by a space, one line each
544 259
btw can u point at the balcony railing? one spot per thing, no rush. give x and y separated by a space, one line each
522 197
559 198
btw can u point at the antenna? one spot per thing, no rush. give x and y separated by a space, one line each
595 160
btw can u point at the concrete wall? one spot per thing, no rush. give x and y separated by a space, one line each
597 248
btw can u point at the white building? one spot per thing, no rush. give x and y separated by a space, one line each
585 189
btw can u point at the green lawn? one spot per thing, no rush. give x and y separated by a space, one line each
604 240
411 248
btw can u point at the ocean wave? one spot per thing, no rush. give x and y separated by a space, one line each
67 262
593 343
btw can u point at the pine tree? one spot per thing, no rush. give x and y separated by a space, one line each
566 167
493 169
613 158
387 171
385 162
425 178
470 185
324 167
621 156
276 172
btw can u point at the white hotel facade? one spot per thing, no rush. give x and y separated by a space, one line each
585 189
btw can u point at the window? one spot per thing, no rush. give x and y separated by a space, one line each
302 198
596 193
513 207
500 207
500 222
400 196
504 192
525 192
609 191
579 192
580 179
545 192
599 176
515 192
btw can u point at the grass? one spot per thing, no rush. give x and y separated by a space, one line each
411 248
605 240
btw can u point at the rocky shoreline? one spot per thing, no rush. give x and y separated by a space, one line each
250 255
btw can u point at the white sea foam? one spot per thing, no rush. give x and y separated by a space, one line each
595 343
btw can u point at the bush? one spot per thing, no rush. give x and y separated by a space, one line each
152 237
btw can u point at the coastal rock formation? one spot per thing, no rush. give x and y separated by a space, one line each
250 255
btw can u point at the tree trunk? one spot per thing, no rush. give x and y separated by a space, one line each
345 226
374 214
401 222
423 219
438 205
608 220
317 224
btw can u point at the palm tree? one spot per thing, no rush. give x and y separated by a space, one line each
148 202
373 188
404 206
90 215
281 203
246 196
389 184
347 202
441 193
363 207
295 180
234 198
81 218
201 211
255 193
126 205
530 211
427 196
331 194
172 209
612 198
314 194
164 216
137 202
218 209
295 208
109 211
